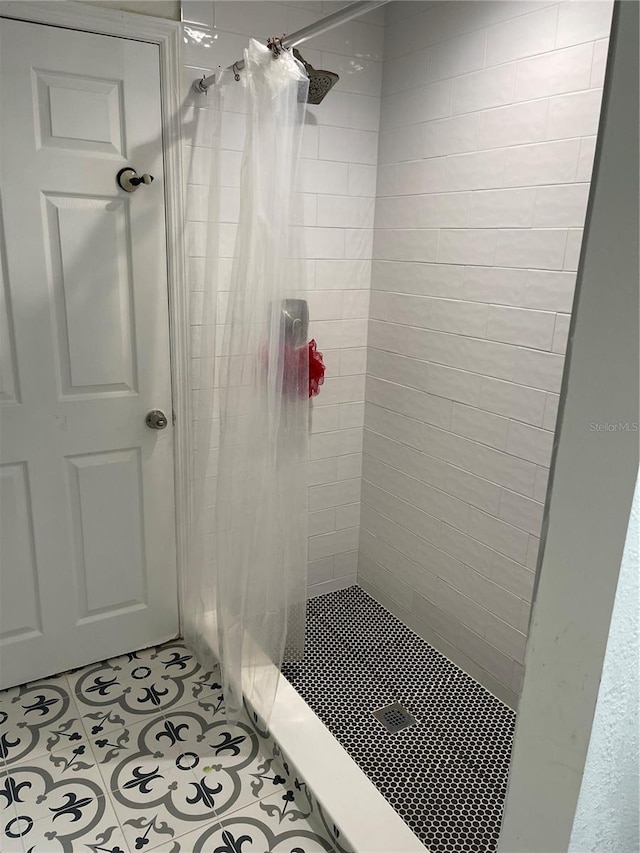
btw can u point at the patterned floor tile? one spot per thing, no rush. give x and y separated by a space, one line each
9 827
120 691
39 786
38 718
134 753
278 823
306 803
79 828
182 769
152 784
10 838
115 748
58 804
274 825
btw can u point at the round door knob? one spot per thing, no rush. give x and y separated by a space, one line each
129 180
156 419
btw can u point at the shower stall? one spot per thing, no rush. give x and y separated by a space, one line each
444 186
336 281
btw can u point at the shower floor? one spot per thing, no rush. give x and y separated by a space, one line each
447 775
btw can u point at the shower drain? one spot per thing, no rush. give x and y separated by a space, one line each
394 717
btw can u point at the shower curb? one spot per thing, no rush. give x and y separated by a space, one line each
348 805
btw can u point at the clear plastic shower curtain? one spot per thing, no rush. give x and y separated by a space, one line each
248 607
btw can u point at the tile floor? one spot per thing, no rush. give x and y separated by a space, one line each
134 754
447 775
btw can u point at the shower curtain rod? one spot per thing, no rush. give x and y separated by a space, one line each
348 13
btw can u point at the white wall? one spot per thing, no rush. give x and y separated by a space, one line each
594 473
339 174
158 8
488 123
606 820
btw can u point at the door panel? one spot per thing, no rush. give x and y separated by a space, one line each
96 347
106 510
87 520
77 113
8 376
20 614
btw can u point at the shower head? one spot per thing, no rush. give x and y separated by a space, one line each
320 82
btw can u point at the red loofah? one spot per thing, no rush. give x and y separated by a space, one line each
295 363
316 369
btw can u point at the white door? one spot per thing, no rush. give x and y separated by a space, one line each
87 521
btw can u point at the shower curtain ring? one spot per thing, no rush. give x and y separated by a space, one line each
236 72
275 44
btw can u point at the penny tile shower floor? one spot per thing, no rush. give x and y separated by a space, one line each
134 754
445 776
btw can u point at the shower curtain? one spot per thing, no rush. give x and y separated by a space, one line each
244 602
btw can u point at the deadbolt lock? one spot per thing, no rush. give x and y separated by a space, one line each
156 419
129 180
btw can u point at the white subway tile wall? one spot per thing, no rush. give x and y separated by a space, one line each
339 185
488 122
458 313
